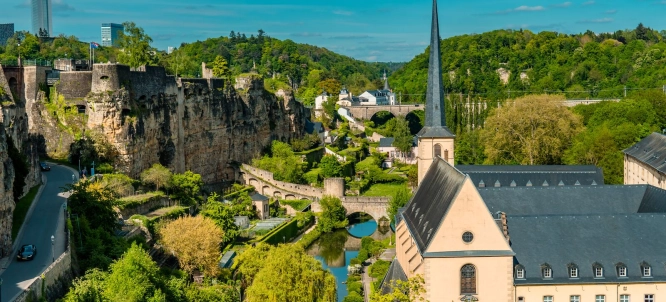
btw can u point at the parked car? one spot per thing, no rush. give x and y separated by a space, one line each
44 166
27 252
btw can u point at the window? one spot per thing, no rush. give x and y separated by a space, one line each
599 272
649 298
467 237
621 270
547 298
468 279
600 298
624 298
520 273
574 298
438 150
521 299
573 272
446 155
646 270
547 272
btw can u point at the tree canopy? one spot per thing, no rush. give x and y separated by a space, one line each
196 242
135 45
532 130
284 273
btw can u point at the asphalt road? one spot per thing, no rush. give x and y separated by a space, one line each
47 219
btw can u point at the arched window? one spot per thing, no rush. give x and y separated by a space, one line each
438 150
446 155
468 279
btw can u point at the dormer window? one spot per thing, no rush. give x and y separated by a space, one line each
520 272
621 270
646 270
573 270
598 270
546 271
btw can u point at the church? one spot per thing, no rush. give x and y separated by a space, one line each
525 233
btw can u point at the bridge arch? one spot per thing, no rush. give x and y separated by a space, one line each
382 117
277 194
289 197
265 190
253 182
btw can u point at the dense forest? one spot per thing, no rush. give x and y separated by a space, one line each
586 65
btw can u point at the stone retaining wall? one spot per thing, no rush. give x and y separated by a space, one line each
154 202
55 279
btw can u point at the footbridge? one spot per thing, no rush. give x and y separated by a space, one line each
366 112
264 183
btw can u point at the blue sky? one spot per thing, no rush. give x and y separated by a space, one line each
372 30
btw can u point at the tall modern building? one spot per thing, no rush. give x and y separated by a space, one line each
110 33
41 17
6 32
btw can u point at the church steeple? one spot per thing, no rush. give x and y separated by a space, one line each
386 84
435 139
435 116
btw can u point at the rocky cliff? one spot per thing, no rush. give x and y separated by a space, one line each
202 125
14 132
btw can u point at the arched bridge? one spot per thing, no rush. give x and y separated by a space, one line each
377 207
366 112
265 184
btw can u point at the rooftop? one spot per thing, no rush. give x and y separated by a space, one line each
651 151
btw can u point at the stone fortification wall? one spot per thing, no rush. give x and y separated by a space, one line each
201 125
74 84
260 178
156 202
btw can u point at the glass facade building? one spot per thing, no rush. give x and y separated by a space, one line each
41 17
110 33
6 32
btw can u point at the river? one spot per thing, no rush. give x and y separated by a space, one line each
335 253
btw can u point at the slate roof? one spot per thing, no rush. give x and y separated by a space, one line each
588 239
519 175
314 127
651 151
428 207
573 200
258 197
395 273
386 142
435 117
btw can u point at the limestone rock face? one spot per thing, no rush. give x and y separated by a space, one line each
202 125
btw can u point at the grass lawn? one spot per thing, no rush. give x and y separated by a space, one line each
21 210
383 189
297 205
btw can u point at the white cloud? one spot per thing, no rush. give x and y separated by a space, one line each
343 12
611 11
525 8
591 2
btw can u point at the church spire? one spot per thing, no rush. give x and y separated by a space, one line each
386 84
435 117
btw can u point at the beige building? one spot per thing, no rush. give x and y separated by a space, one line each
261 203
560 237
645 162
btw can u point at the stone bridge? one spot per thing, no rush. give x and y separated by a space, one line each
366 112
265 184
352 243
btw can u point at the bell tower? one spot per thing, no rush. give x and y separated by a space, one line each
435 139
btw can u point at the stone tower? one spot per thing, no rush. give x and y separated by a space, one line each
435 139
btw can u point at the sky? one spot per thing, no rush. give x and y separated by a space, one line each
369 30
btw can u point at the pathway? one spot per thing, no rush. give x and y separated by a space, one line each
46 219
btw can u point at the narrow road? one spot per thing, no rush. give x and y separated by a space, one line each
47 219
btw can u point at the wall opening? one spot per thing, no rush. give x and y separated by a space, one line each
438 151
81 108
105 78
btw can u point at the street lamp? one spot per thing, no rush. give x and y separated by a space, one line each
52 248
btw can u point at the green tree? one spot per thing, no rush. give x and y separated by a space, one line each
222 215
135 46
533 130
134 277
89 287
285 165
186 187
333 215
411 290
221 68
404 140
285 273
330 166
399 199
156 175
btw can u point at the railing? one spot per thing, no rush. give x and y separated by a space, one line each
14 63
